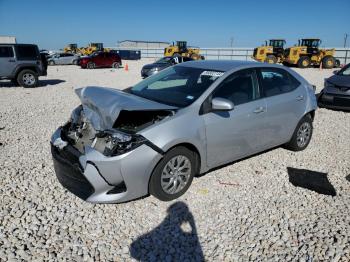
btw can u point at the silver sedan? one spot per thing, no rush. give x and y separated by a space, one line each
155 137
63 59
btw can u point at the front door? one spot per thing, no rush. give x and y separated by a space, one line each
235 134
7 60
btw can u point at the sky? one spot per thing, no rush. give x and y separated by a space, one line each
54 24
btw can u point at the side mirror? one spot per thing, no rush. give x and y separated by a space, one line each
221 104
335 72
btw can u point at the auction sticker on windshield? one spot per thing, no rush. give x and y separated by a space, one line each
212 73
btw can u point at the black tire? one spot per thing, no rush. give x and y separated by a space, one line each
296 145
116 65
155 187
337 63
328 62
51 62
202 57
27 78
90 65
304 62
271 59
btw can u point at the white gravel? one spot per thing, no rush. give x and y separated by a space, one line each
245 211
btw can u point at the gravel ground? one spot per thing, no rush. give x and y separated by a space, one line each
249 210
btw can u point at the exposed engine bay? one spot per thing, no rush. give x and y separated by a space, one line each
122 138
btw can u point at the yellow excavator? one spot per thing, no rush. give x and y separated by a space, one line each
181 49
308 52
271 52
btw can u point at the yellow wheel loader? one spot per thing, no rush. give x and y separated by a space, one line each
71 48
271 52
92 48
181 49
308 52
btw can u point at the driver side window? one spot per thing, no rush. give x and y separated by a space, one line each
240 87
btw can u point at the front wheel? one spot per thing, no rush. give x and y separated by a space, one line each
174 174
328 62
90 65
302 135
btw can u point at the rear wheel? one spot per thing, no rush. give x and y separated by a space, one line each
271 59
116 65
27 78
51 62
90 65
304 62
328 62
174 174
302 135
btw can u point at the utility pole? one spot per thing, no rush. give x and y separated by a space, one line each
232 41
345 39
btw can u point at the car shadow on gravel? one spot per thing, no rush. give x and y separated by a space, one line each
312 180
175 239
42 83
50 82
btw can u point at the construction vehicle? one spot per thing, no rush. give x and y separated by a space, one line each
271 52
181 49
92 48
308 52
71 48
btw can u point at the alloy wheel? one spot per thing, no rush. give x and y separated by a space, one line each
28 79
303 134
176 174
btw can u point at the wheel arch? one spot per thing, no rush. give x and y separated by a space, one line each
192 148
19 69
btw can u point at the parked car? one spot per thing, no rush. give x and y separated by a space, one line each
63 59
155 136
336 91
22 63
159 65
101 59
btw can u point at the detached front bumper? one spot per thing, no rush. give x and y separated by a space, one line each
334 101
99 179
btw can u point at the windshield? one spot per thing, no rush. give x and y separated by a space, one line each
277 43
164 60
176 86
345 71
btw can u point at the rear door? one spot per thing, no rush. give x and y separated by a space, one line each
285 98
234 134
7 60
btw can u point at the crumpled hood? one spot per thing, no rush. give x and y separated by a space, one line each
102 105
341 81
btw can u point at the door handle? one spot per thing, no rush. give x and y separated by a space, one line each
301 97
259 109
12 60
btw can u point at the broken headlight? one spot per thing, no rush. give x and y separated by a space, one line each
117 143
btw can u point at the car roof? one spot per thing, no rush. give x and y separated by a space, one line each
220 65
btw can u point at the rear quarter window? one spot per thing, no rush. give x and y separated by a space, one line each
27 52
6 51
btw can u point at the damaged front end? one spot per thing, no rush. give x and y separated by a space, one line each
119 139
94 153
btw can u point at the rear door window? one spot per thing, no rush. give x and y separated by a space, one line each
277 81
6 51
27 52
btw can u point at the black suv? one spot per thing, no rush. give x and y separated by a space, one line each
22 63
